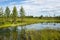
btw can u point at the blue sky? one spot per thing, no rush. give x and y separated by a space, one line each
34 7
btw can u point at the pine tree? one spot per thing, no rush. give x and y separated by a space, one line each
1 12
1 16
14 14
22 13
7 13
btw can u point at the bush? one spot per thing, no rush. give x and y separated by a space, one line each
1 23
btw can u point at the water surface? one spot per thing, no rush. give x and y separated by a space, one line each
41 26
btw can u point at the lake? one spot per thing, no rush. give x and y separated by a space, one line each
41 26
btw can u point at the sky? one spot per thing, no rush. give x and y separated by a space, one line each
34 7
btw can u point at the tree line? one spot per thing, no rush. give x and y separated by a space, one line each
7 13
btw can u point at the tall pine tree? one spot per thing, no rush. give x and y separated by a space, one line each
14 15
1 12
22 14
7 13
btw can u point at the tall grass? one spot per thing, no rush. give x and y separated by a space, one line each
14 34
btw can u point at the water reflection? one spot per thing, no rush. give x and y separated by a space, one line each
41 25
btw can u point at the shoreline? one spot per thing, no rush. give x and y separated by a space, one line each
19 24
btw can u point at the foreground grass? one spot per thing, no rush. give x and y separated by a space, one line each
45 34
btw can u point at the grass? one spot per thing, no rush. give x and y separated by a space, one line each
28 21
44 34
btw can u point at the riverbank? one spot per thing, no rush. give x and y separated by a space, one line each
28 21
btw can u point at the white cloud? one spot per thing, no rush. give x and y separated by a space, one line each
38 7
45 5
